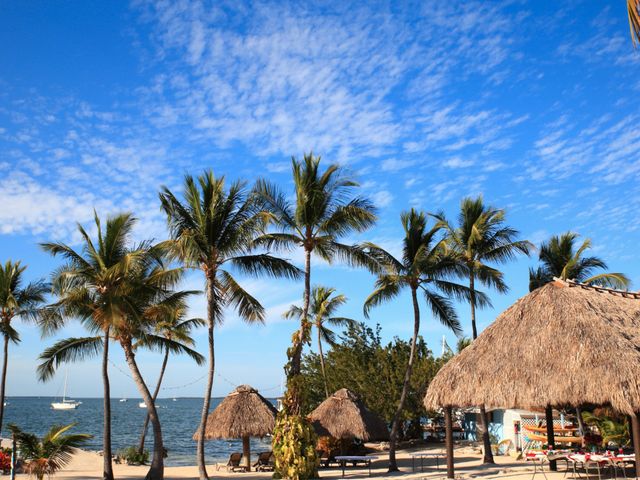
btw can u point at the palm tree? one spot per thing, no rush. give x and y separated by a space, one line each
92 286
633 12
144 295
425 267
560 257
321 313
323 213
171 324
17 301
482 237
213 229
49 454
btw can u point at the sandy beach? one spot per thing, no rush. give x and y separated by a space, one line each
88 465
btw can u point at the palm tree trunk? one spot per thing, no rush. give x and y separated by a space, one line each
107 465
484 421
395 424
322 367
202 467
156 470
293 405
5 359
155 395
297 354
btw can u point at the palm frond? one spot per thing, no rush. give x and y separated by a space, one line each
66 351
249 309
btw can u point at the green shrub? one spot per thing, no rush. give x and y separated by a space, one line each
131 456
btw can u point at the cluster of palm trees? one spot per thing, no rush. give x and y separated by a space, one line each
127 294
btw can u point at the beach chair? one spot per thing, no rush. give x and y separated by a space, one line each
264 462
505 446
233 464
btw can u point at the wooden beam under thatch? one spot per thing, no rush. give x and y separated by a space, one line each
559 345
344 415
243 413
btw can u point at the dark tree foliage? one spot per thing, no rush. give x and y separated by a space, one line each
360 362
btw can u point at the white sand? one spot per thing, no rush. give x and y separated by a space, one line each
88 465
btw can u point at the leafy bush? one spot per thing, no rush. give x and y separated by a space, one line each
5 462
132 456
294 448
361 362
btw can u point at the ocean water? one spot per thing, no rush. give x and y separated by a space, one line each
179 419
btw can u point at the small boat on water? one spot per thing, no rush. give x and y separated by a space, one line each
66 403
144 405
123 400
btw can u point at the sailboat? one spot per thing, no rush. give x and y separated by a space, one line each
65 404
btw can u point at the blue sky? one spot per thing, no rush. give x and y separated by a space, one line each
533 104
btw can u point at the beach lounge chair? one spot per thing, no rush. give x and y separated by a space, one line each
264 462
505 446
233 464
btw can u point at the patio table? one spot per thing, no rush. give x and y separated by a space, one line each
422 456
355 459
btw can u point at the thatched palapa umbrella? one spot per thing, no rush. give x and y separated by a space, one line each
244 413
343 415
564 344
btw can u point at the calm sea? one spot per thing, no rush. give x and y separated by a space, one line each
179 419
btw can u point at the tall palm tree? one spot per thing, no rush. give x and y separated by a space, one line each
561 257
92 287
47 455
144 295
171 324
213 229
322 214
481 237
321 314
17 301
425 267
633 12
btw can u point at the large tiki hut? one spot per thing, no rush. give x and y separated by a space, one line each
244 413
562 345
344 416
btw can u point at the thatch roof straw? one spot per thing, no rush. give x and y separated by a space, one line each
344 415
243 413
564 344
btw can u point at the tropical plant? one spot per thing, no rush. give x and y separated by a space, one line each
17 301
122 300
361 362
481 237
321 314
134 456
424 267
49 454
322 214
213 229
561 257
91 286
633 12
612 431
169 322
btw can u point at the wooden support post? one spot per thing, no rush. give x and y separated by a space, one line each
635 432
548 412
448 425
246 452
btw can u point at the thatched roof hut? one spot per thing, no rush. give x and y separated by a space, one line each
564 344
244 413
344 415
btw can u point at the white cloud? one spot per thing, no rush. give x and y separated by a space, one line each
457 162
